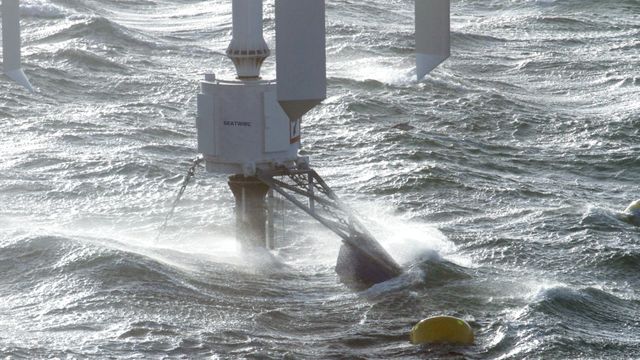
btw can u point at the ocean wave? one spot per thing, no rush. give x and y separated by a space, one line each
102 31
42 9
589 309
630 45
145 329
90 60
531 118
30 352
603 219
476 39
623 262
51 256
568 23
106 266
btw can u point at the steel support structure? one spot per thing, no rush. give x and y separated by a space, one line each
362 262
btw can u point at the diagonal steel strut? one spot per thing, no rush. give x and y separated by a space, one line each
362 259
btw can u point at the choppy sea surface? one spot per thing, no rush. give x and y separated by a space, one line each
503 203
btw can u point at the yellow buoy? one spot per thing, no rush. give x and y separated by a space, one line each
632 213
633 207
442 330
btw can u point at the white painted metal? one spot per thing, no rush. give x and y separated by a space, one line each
300 55
248 48
12 65
206 125
276 133
433 40
242 128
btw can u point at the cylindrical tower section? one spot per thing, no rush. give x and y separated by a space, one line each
248 50
251 210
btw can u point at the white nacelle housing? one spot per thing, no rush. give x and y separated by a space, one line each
241 127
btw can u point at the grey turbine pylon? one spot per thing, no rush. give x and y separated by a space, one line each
300 55
12 64
433 39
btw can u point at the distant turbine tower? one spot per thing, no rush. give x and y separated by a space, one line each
12 65
433 40
300 55
250 128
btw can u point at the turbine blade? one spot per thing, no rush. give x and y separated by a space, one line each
300 55
11 43
433 39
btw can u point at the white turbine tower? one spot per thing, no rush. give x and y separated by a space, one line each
12 65
249 128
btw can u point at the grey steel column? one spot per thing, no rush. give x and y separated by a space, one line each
251 210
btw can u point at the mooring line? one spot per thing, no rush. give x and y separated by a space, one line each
187 178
